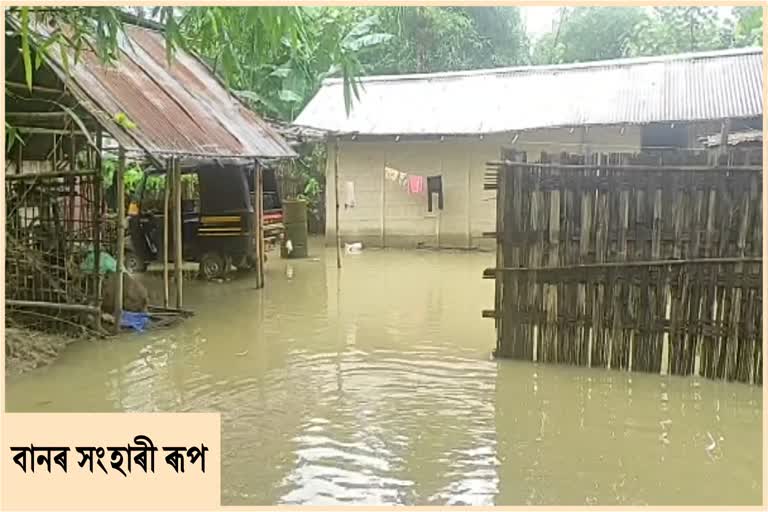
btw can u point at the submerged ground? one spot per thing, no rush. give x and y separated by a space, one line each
375 385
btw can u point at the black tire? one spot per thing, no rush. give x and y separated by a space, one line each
134 263
213 266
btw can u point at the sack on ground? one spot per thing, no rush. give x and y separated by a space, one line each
135 295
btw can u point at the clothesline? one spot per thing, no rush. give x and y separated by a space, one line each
413 183
418 185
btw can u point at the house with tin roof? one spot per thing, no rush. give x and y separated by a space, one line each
412 153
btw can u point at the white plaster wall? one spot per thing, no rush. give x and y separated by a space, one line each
468 209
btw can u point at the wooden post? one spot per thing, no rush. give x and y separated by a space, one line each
384 203
166 224
97 201
177 217
258 258
262 247
469 203
120 192
72 166
336 183
258 223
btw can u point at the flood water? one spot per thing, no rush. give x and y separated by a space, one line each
375 385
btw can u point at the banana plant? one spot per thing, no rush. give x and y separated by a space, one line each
276 57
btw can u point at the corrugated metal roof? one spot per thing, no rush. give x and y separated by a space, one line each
181 110
689 87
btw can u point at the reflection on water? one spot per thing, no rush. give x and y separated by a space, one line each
375 386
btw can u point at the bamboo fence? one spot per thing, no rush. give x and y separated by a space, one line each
52 221
630 262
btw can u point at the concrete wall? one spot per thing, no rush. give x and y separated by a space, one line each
386 215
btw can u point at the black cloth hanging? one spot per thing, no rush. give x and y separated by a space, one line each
434 186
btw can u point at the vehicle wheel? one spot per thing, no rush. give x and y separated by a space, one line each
134 263
212 265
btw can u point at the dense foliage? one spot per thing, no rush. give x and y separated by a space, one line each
593 33
275 58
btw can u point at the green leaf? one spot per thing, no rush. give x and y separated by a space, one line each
64 56
363 27
367 41
12 136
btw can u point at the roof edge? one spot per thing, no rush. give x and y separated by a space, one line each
752 50
345 133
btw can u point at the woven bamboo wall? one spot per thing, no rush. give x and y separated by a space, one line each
630 262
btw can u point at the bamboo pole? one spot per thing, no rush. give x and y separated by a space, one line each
469 205
97 201
51 305
166 223
120 192
258 224
383 203
177 217
336 183
490 272
46 175
257 256
71 179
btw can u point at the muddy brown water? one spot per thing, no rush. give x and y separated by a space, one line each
375 386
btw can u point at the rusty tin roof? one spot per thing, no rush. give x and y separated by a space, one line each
182 110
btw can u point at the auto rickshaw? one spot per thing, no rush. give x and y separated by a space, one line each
217 218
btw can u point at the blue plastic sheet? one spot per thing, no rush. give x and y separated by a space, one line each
136 321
